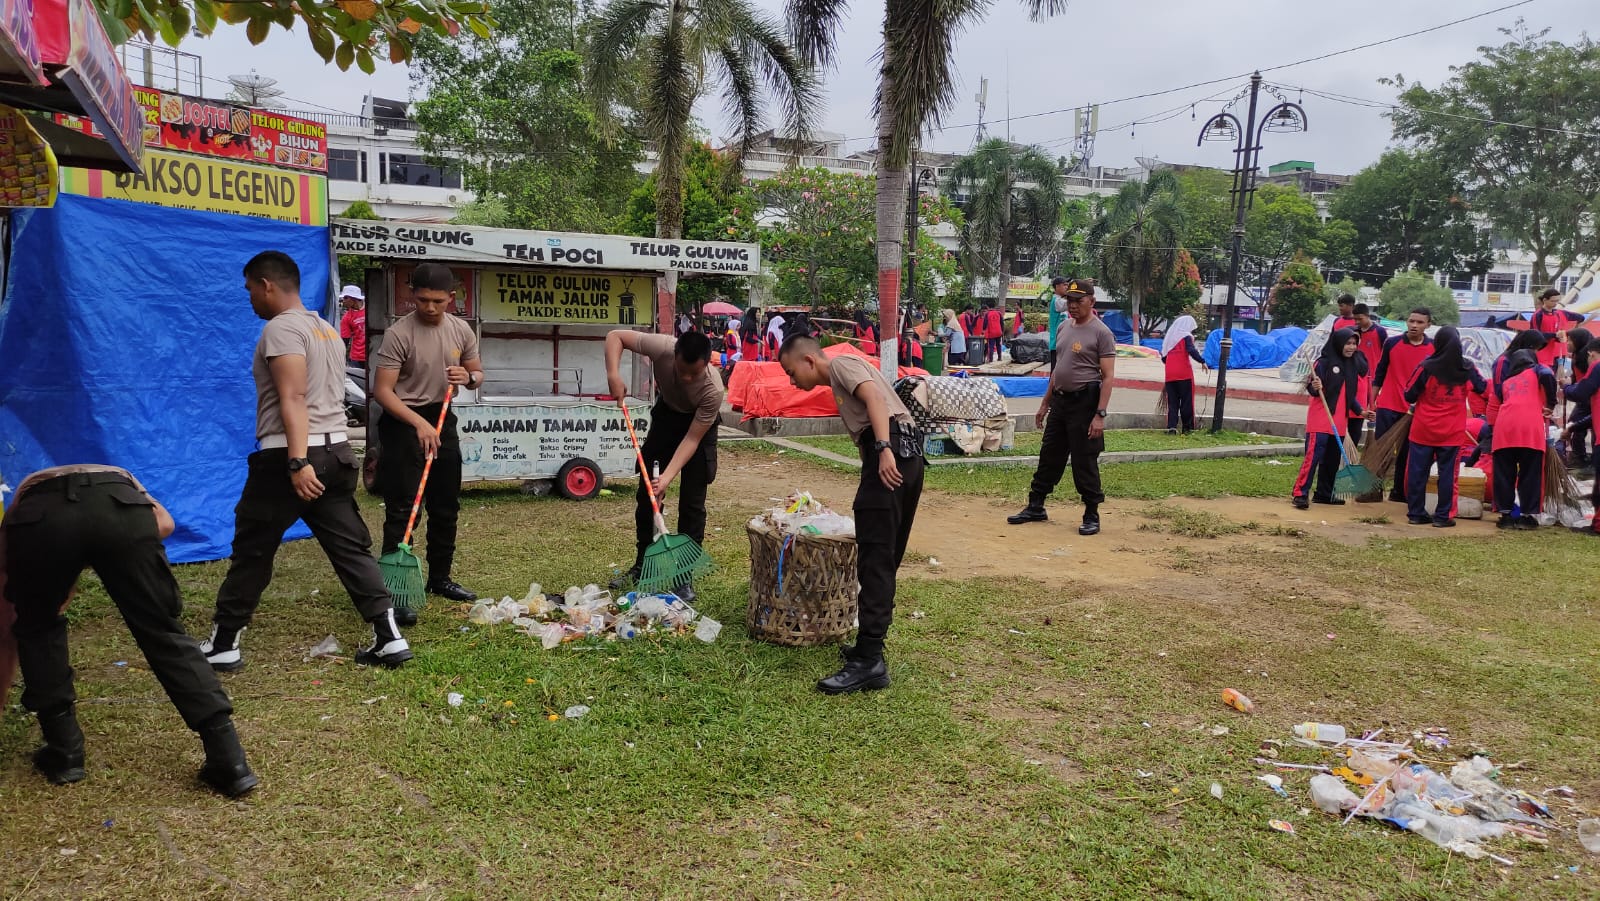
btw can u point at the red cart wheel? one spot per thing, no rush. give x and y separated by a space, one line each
579 479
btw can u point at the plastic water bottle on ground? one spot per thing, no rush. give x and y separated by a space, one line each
707 630
626 630
1236 699
1320 732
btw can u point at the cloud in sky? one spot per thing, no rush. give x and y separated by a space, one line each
1094 53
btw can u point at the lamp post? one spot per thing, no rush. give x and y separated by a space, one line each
923 178
1224 126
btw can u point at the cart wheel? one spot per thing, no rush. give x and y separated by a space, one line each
579 479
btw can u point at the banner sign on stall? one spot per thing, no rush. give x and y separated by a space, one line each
533 440
217 186
211 127
27 165
398 240
70 36
19 47
565 297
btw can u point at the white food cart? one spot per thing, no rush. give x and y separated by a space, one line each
541 304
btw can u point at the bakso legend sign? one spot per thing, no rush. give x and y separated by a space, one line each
565 297
415 241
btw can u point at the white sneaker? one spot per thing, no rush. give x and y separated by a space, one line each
223 659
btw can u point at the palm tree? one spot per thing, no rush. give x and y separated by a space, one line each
1135 238
662 54
1014 201
915 85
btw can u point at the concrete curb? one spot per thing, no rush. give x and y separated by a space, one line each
1155 456
818 426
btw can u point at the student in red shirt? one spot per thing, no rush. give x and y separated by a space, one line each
1017 321
910 350
1347 313
1398 364
353 324
1554 323
1527 393
866 334
1179 354
993 331
1332 387
750 336
1438 425
1370 338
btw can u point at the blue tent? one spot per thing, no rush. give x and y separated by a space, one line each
126 337
1119 323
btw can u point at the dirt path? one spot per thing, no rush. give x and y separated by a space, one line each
968 535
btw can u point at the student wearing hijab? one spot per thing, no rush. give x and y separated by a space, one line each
1529 340
1179 354
750 336
1527 393
1586 381
955 338
866 334
1332 386
1438 394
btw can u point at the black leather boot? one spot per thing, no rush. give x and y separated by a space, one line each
1091 521
858 674
225 769
1034 512
60 758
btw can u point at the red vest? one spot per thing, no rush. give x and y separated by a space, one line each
1521 419
1179 365
1440 416
1317 411
1553 324
1404 359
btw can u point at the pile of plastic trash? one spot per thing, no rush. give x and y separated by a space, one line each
1386 781
592 612
802 514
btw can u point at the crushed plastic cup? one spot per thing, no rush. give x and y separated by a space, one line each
327 647
551 635
1216 790
455 698
707 629
1329 794
651 608
1589 835
576 711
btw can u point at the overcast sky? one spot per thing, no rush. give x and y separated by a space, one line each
1117 49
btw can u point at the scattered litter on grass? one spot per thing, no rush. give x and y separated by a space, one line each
66 852
1218 731
1275 783
370 701
591 612
120 663
1457 811
1143 774
1216 790
1282 826
1016 632
327 647
1589 835
455 698
918 614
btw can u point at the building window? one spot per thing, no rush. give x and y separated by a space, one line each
1460 281
346 165
1501 282
1567 281
409 169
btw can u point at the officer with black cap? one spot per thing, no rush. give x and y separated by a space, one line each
1073 411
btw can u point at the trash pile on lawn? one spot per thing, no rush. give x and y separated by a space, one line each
1392 784
591 612
802 514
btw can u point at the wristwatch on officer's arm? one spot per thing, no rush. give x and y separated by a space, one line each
1100 413
299 463
473 380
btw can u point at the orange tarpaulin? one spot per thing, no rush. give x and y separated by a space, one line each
763 389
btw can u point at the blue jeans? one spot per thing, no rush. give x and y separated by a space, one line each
1420 459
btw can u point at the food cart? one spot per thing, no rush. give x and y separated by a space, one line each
541 304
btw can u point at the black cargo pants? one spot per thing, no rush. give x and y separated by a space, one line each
883 526
667 430
400 464
101 521
1066 438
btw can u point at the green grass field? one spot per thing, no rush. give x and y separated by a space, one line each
1006 761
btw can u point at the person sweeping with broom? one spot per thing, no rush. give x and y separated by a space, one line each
303 470
425 358
1397 366
1333 388
1438 394
681 441
886 498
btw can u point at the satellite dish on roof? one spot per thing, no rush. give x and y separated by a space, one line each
254 90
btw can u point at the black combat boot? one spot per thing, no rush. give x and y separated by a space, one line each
1091 521
225 769
60 758
1034 512
863 670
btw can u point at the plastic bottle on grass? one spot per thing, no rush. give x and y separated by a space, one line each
1236 699
1320 732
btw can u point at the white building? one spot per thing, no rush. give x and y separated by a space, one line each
375 157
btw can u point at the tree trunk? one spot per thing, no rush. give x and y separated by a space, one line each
1135 296
669 224
891 220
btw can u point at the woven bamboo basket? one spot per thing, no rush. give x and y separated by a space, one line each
816 600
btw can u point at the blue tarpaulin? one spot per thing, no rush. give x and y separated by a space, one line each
1119 323
1253 350
125 338
1021 386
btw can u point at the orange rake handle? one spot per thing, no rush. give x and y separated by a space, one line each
427 467
644 472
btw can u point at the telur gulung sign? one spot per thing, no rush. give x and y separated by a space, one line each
396 240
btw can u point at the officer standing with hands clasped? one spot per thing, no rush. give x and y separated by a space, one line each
304 469
61 521
1073 412
682 439
428 352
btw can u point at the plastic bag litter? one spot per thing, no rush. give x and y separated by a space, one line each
505 610
1329 794
327 647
